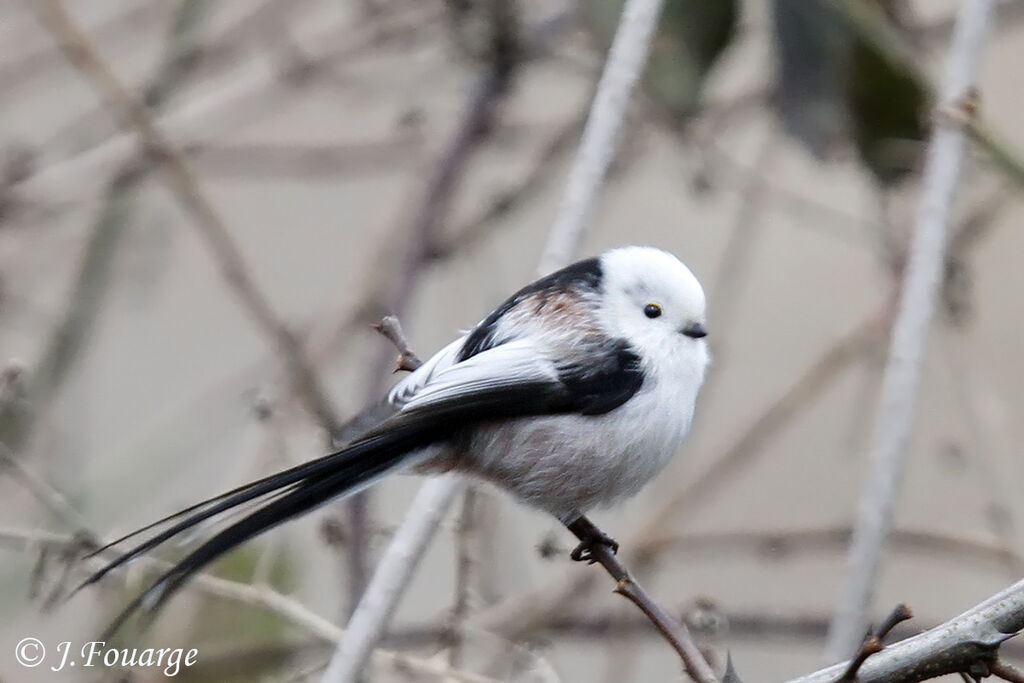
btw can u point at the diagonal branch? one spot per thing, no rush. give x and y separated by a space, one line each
93 278
1007 672
625 63
959 645
133 115
921 282
673 631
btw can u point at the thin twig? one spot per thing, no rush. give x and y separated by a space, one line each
296 613
240 96
464 563
322 160
214 47
871 645
381 596
20 66
921 282
508 200
48 496
782 544
1007 672
873 642
391 329
735 265
989 445
676 633
1005 160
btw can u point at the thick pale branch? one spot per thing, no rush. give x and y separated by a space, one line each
973 637
393 574
626 60
921 282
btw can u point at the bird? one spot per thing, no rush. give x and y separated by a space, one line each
571 395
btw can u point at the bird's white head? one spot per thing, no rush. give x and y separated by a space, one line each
653 301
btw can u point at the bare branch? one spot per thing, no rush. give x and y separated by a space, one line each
391 329
133 114
464 565
626 60
393 573
780 544
960 644
675 632
48 496
921 282
873 642
239 96
1005 671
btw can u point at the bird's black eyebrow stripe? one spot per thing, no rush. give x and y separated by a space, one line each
582 275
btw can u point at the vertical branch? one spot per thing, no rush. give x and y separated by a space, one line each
921 283
626 60
463 574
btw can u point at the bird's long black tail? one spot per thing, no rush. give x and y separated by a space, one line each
281 496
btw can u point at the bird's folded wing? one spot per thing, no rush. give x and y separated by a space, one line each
402 392
490 383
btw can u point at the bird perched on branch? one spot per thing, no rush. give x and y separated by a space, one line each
572 394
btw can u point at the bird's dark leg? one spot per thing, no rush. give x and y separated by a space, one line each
589 536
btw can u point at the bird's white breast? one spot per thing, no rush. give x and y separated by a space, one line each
567 464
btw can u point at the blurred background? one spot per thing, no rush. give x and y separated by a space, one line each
389 156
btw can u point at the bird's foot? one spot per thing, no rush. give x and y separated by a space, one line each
590 537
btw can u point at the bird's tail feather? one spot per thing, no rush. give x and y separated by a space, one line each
202 511
281 497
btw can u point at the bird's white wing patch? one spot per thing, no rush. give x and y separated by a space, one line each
404 391
507 365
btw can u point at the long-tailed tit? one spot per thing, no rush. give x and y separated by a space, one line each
572 394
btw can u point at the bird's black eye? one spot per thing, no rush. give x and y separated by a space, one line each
652 310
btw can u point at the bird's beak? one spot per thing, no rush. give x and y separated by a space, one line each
695 331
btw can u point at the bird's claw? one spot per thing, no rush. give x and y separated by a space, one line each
584 551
